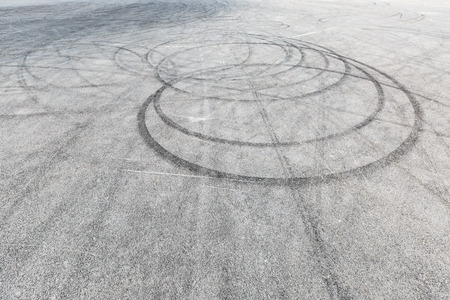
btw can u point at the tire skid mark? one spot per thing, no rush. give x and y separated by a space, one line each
38 180
394 155
406 171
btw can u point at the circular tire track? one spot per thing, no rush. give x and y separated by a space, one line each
296 59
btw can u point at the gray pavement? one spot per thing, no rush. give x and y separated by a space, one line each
225 149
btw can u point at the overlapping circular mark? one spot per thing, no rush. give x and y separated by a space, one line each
170 78
43 55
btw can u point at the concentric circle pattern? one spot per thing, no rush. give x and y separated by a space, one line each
261 108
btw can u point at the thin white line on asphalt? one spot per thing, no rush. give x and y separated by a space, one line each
180 175
313 32
168 174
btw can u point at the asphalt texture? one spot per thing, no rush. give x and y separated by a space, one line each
210 149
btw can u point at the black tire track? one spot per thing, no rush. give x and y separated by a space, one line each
394 155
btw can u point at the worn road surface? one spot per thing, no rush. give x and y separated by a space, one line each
212 149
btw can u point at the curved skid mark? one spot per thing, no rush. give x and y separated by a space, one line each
394 155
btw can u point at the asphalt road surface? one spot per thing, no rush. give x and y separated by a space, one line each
209 149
